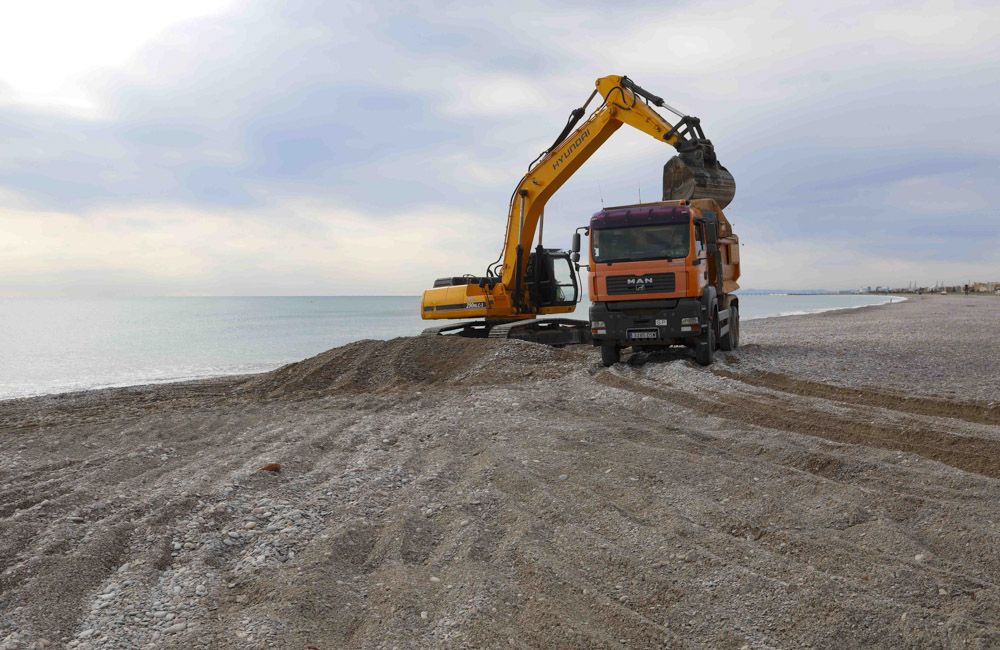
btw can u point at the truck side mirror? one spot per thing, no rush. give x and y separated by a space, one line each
576 246
576 256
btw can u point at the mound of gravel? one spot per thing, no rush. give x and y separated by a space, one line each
404 363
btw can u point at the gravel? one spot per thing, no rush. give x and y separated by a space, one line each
818 484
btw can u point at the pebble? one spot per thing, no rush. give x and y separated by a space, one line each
250 525
435 579
563 477
424 615
919 557
175 628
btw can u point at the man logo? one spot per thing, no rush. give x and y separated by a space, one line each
639 284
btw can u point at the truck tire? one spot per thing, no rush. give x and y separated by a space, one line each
734 325
731 340
610 354
704 349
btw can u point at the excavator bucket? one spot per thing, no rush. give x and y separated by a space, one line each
694 175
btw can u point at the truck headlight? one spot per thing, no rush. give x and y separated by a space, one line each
597 323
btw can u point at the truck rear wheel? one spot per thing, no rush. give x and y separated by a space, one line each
731 339
610 354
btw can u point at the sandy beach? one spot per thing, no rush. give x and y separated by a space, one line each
831 484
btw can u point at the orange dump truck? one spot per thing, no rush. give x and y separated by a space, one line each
663 274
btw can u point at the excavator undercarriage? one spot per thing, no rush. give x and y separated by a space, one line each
550 331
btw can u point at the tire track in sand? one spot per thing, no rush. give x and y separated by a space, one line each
968 411
968 453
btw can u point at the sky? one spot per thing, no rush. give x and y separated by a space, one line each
304 147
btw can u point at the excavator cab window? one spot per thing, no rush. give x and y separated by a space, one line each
551 278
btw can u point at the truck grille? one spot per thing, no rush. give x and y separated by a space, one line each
646 283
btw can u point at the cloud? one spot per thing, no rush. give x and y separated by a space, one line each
849 127
43 60
835 264
304 248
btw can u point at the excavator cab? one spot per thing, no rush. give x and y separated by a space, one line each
551 278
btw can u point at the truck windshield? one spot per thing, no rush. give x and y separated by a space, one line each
641 243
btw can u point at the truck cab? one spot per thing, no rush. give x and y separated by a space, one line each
662 274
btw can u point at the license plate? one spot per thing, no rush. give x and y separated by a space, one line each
643 334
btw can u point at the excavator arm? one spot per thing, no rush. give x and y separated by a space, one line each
624 103
693 174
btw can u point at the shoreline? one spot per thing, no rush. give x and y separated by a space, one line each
893 299
213 377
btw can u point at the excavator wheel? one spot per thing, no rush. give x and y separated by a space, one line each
610 354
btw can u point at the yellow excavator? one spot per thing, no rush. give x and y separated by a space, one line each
523 284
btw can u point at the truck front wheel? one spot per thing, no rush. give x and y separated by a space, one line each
704 349
610 354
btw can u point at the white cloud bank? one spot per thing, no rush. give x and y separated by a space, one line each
305 249
359 148
48 47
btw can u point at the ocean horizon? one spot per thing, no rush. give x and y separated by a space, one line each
57 345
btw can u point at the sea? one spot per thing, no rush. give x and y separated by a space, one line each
56 345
